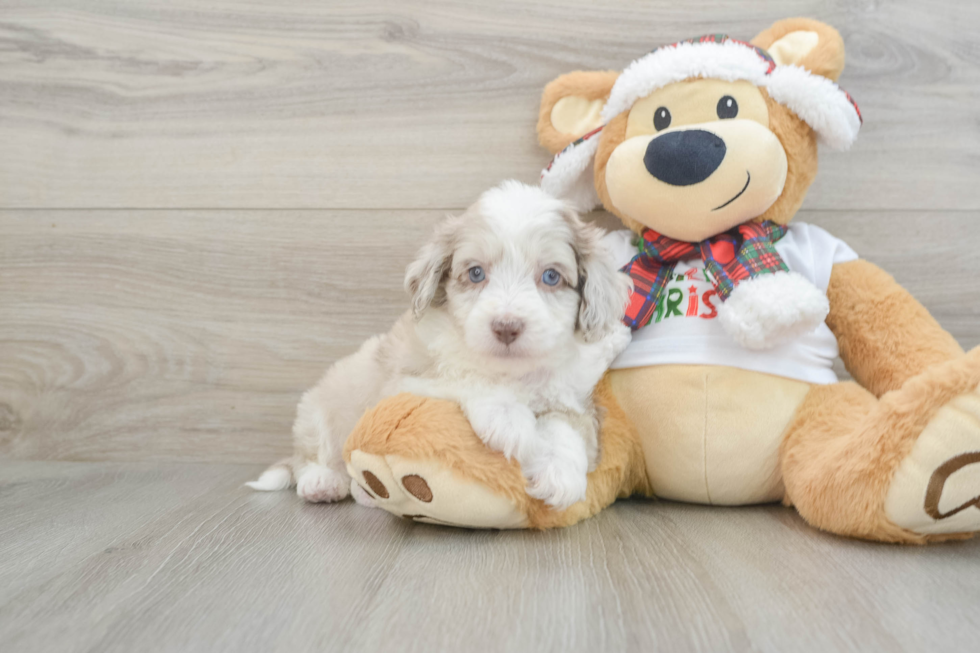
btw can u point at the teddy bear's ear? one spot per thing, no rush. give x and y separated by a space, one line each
570 107
807 43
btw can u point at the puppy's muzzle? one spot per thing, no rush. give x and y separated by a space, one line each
684 158
507 330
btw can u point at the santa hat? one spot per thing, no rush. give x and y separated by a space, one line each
818 102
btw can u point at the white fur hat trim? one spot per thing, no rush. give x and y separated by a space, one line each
569 175
729 61
818 101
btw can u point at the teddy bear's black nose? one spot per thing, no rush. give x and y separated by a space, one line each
685 157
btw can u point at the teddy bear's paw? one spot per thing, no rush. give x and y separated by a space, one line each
319 484
936 489
771 309
426 491
362 496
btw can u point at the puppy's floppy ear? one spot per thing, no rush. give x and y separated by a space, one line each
570 107
425 275
603 288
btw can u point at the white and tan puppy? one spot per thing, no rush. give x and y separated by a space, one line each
516 313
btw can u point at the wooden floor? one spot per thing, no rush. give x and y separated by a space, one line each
127 557
204 204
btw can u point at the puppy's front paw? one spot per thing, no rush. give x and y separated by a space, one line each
503 427
557 483
619 339
319 484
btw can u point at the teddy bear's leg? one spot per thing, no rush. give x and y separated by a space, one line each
418 458
902 468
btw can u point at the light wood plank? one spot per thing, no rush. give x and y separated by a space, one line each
126 557
190 335
410 104
184 335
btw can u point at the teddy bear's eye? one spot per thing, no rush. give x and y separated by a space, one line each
727 108
661 118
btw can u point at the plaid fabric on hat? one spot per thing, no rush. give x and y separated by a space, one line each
741 253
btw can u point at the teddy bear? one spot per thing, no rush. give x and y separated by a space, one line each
705 150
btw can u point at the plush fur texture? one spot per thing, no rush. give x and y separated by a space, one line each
814 98
706 437
843 447
772 309
826 59
800 144
818 102
613 134
886 337
570 176
728 61
590 85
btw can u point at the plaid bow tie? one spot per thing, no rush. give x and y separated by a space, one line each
744 252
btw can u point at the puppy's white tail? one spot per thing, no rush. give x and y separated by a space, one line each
278 477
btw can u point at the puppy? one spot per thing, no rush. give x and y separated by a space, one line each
516 313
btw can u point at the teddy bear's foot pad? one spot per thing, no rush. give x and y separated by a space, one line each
936 489
427 492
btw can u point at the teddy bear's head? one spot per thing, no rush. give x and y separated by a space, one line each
698 137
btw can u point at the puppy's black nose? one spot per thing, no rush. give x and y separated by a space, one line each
507 330
685 157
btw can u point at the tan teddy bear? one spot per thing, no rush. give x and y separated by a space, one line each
705 150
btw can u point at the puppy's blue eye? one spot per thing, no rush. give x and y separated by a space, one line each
550 277
477 274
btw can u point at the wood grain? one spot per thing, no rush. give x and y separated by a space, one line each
164 557
190 335
184 335
410 104
202 205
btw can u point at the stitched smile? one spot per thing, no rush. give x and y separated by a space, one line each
747 181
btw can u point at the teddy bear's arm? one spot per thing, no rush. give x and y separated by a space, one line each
885 335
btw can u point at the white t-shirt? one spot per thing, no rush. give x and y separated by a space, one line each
685 330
